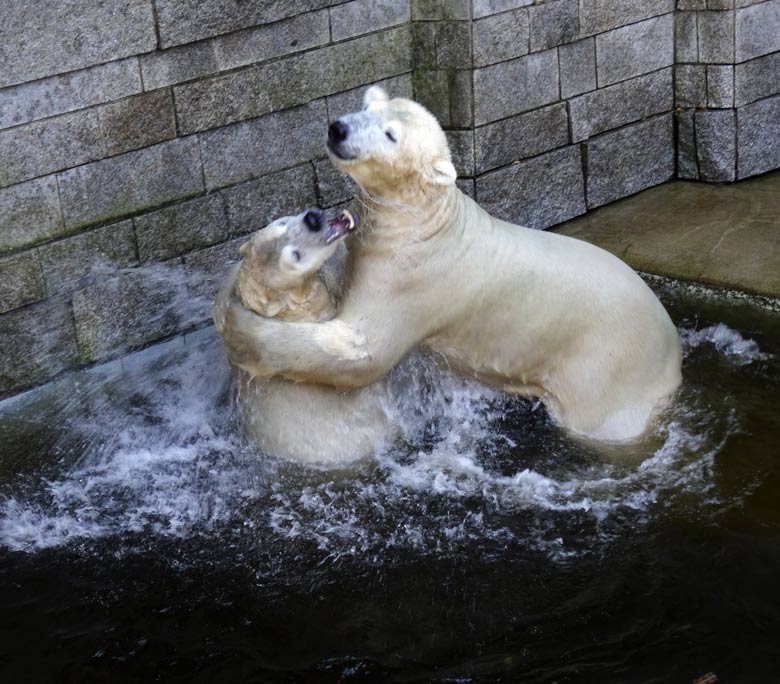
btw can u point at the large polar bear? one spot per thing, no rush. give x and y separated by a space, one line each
527 311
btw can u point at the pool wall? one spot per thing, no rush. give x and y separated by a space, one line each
161 132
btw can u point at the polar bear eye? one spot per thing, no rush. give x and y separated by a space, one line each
296 255
390 135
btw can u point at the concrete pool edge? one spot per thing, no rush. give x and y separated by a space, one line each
722 236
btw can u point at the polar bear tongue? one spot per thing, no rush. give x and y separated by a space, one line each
340 225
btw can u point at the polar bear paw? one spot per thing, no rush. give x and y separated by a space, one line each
342 341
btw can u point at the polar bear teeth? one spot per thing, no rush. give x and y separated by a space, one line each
340 226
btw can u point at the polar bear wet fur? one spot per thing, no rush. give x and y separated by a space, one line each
281 275
527 311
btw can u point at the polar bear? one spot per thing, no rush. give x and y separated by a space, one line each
281 275
527 311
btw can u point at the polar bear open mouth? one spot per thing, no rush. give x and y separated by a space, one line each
340 226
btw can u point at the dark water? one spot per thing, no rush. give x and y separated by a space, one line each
142 540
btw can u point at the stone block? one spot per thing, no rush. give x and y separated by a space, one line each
185 21
177 229
209 266
578 67
553 23
500 37
484 8
334 187
29 213
716 145
520 137
716 37
720 85
258 90
36 343
61 94
124 311
630 159
461 144
432 88
597 16
466 186
252 206
515 86
438 10
352 100
690 85
131 182
22 280
138 121
166 67
614 106
685 37
756 79
757 138
687 158
42 39
364 16
424 44
258 44
67 263
453 45
537 193
454 10
427 10
254 148
41 147
461 99
757 30
635 50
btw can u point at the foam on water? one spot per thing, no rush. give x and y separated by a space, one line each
152 449
727 342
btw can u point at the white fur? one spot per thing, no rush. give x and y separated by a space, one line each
528 311
313 424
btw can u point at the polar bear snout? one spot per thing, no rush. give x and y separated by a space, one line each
314 220
338 132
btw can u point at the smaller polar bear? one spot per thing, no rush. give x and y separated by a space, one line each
527 311
281 275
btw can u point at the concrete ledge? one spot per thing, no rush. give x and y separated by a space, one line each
722 235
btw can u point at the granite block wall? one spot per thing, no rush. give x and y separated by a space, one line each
154 133
140 140
727 88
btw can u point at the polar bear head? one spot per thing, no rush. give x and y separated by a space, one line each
391 146
277 276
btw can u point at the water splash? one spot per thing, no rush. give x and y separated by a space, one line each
150 448
726 341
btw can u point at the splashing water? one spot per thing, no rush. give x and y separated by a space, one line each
151 446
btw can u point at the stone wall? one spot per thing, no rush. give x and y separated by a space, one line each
148 132
727 88
571 105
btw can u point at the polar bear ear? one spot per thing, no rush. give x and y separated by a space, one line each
244 249
444 172
374 94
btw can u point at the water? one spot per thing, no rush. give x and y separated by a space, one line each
141 538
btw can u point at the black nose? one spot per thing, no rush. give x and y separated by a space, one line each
313 219
337 132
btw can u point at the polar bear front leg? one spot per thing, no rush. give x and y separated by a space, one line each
332 353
